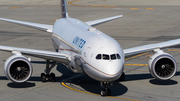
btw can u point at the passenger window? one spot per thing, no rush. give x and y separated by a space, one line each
98 56
113 56
118 56
105 57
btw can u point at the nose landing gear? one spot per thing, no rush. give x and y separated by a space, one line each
106 88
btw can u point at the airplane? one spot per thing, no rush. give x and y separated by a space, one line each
84 49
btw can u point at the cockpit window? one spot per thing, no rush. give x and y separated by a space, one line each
113 56
98 56
118 56
108 57
105 57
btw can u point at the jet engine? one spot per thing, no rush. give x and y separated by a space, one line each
18 68
162 65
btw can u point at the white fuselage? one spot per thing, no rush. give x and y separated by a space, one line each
92 52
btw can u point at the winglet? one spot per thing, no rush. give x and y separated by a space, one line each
64 9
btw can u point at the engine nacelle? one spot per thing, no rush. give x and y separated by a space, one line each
18 68
162 65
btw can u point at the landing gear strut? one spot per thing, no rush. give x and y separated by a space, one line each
106 90
48 76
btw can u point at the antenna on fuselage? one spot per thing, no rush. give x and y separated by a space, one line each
64 9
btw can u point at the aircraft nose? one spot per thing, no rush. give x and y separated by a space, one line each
111 69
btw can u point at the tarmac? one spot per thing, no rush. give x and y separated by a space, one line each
140 25
94 2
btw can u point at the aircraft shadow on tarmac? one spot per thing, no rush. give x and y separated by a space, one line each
117 89
89 84
21 85
152 80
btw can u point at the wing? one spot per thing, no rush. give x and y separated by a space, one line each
43 27
100 21
151 47
63 58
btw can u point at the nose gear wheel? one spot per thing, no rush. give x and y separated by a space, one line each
106 90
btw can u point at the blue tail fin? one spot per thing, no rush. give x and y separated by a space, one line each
64 9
